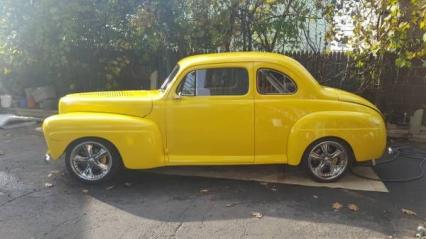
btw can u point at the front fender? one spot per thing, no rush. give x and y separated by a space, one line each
364 132
138 140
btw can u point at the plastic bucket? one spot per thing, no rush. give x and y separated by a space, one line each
6 101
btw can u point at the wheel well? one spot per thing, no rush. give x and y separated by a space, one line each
330 137
93 138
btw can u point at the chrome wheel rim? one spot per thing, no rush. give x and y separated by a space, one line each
328 160
90 160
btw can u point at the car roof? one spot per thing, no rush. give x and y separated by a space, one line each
303 76
229 57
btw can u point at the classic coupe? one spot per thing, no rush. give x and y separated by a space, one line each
218 109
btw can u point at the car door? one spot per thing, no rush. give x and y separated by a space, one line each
277 105
210 115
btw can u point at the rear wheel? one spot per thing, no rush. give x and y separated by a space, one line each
92 160
328 159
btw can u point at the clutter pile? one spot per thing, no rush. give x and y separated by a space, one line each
35 98
43 97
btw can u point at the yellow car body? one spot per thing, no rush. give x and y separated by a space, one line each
162 127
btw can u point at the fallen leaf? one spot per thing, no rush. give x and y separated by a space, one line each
110 187
48 185
337 206
264 183
231 204
38 129
204 190
274 189
127 184
50 175
257 215
85 190
54 171
408 212
353 207
315 196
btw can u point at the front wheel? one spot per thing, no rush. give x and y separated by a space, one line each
92 160
327 160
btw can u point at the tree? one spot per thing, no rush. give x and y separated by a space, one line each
65 44
84 45
385 29
273 25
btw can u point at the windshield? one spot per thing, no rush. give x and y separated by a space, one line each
170 78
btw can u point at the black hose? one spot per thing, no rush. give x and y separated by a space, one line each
400 153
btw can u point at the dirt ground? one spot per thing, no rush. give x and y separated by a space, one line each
140 204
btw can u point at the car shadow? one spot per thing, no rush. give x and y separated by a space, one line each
170 198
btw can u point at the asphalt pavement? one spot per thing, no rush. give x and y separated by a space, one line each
39 200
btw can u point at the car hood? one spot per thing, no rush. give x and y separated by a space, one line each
134 103
345 96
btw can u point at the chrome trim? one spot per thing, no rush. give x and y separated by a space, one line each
47 158
390 150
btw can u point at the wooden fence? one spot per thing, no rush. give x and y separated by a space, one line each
403 90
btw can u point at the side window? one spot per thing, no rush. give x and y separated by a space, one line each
188 85
273 82
215 81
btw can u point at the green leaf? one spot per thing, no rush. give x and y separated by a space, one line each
402 62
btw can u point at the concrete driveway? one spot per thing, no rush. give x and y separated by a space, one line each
146 205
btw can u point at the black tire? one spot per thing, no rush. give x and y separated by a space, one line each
114 157
308 161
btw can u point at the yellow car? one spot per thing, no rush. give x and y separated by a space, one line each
218 109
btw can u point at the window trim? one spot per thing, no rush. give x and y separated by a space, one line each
277 71
172 75
181 82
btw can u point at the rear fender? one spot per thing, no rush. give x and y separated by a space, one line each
138 140
364 132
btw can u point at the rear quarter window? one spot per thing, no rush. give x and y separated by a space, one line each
273 82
